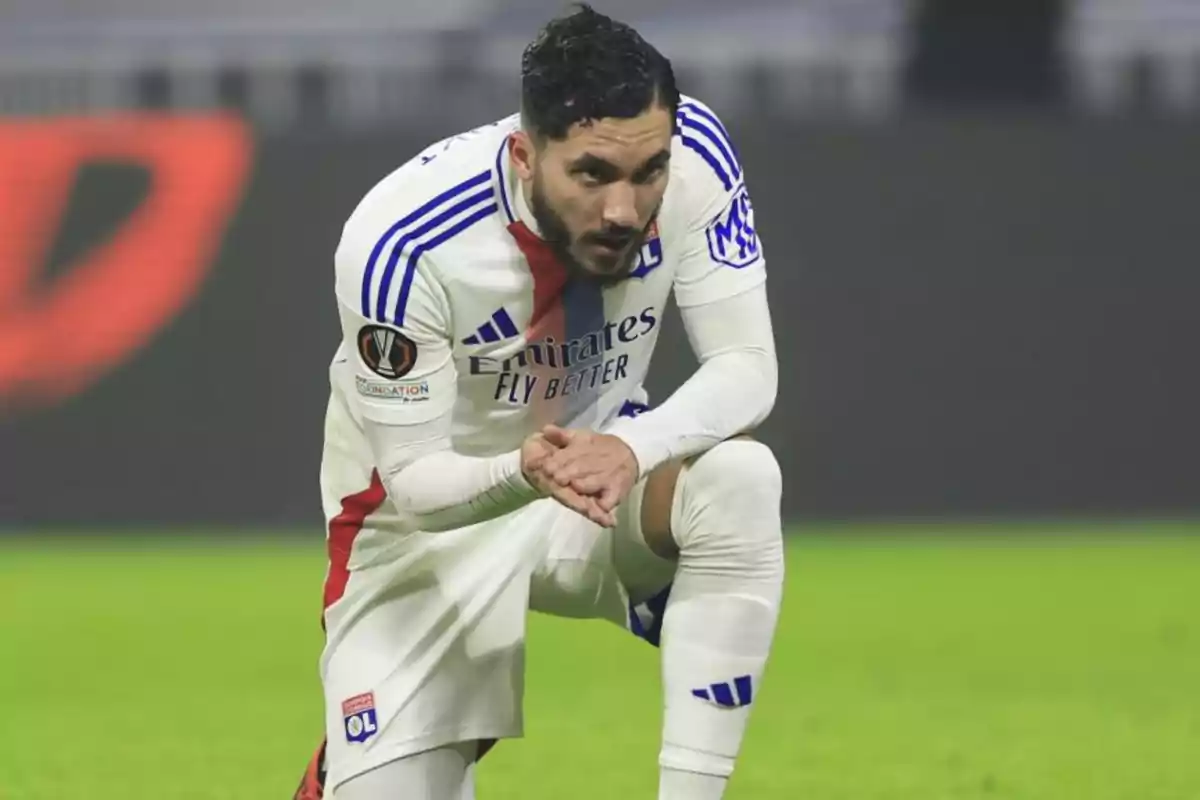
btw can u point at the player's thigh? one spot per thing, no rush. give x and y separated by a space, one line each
444 773
426 645
593 572
575 576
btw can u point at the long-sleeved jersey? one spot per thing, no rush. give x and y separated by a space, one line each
463 334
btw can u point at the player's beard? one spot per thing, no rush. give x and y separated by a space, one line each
555 233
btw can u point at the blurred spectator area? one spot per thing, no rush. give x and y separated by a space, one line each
1090 56
366 60
363 62
1134 54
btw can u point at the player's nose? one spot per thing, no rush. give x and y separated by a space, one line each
620 206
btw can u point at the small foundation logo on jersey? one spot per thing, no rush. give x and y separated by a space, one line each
358 716
403 392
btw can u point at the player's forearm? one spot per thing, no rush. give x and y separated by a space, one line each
727 395
446 490
733 390
439 489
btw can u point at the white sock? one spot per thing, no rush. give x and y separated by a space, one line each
720 618
674 783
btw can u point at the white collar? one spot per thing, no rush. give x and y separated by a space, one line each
521 209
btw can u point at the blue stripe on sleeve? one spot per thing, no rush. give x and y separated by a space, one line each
410 219
410 266
457 210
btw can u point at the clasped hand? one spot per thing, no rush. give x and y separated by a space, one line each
586 471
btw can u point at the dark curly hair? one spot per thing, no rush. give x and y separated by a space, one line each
586 66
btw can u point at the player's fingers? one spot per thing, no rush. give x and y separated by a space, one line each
586 506
546 446
605 519
601 517
542 483
586 465
534 461
579 468
610 497
589 485
573 500
553 472
535 451
559 456
557 436
559 460
551 485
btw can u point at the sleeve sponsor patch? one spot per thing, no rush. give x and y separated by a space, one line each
404 392
386 351
732 239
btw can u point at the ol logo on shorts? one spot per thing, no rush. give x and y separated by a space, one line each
358 717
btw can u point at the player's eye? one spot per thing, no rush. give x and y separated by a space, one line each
592 172
592 176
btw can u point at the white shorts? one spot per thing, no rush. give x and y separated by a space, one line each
425 644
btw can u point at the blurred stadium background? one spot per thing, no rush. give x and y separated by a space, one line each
980 220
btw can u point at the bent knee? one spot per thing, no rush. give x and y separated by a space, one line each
740 470
729 502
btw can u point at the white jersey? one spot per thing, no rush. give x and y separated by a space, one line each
463 335
449 300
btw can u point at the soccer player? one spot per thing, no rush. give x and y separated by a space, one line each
488 444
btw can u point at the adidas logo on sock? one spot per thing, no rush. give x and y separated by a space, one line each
500 326
722 694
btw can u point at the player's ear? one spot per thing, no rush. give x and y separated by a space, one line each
523 154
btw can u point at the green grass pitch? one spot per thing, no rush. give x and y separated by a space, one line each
1036 661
